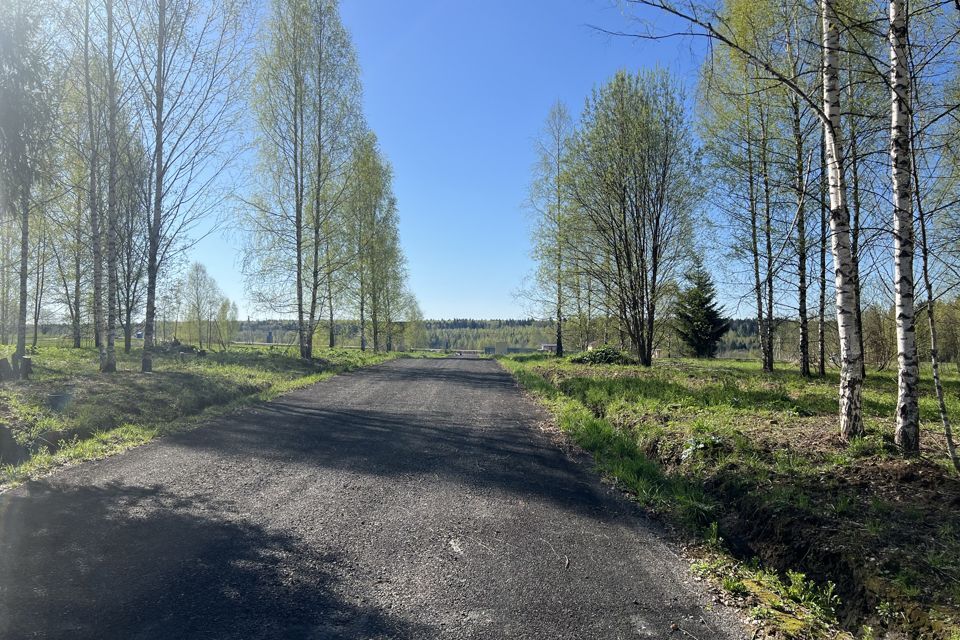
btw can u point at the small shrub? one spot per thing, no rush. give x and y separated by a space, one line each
735 586
888 612
713 535
601 355
699 444
806 592
843 505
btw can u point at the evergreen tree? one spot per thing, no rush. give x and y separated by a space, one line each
699 319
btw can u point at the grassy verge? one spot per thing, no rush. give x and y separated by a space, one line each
813 537
68 412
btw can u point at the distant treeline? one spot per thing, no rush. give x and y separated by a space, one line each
462 333
457 333
741 341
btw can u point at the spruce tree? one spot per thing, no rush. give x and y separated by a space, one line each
700 322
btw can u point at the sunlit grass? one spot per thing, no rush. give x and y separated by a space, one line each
708 442
68 412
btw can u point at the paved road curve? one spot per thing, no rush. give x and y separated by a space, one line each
416 499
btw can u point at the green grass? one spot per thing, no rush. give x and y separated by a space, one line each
751 465
68 412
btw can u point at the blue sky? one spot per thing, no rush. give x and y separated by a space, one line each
456 92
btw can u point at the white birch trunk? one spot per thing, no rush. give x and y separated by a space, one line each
94 194
21 351
153 246
109 363
907 434
851 357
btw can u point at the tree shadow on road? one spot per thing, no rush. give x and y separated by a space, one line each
494 451
118 561
476 374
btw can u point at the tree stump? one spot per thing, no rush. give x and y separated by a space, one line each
11 452
6 371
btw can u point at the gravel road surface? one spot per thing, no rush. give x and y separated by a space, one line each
416 499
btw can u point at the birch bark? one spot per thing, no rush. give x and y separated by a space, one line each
108 364
907 434
851 373
93 196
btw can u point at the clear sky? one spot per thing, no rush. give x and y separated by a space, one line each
456 91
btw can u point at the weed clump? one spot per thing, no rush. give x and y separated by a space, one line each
601 355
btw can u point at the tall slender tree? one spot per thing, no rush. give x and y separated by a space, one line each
549 202
188 63
93 175
307 104
108 362
907 434
25 115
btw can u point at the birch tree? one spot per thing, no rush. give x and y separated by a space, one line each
188 67
706 21
335 106
25 117
72 250
549 203
131 229
108 362
368 194
307 104
935 178
92 104
203 299
907 434
738 133
633 182
851 356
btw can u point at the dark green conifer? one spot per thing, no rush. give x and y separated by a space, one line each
700 321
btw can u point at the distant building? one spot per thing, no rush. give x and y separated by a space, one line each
552 348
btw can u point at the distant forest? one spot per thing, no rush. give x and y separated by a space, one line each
468 334
741 341
459 333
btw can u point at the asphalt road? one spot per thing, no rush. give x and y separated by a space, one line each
416 499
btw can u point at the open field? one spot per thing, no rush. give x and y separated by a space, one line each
69 412
812 536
